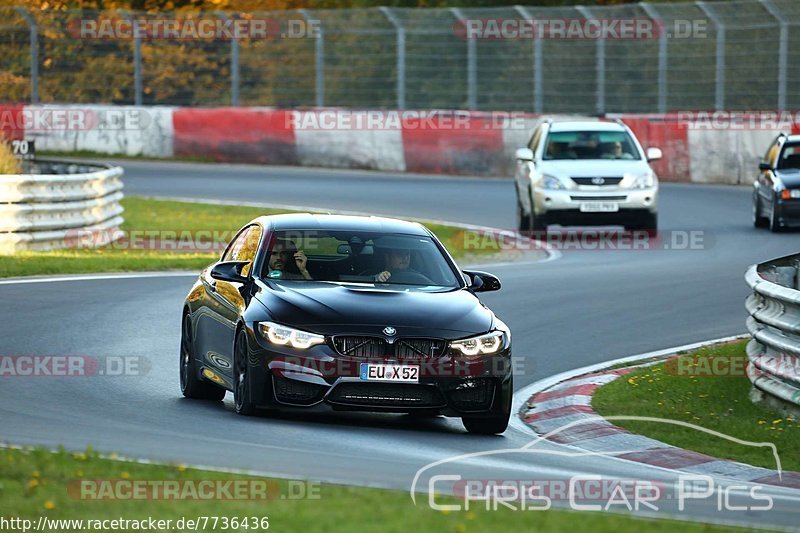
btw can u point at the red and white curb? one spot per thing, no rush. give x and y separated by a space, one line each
560 412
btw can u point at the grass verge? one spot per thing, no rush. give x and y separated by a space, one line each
36 483
707 388
148 217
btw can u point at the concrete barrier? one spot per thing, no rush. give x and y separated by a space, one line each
401 141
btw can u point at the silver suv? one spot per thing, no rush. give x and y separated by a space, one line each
585 172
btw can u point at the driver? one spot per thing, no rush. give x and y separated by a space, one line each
395 260
287 262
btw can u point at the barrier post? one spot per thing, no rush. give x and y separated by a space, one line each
34 46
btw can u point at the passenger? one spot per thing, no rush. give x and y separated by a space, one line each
287 262
614 151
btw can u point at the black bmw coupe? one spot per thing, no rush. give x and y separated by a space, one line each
347 313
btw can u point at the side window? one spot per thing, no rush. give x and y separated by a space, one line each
244 247
235 246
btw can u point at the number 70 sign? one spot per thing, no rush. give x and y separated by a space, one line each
23 149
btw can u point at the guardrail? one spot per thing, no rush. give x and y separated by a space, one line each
56 203
774 324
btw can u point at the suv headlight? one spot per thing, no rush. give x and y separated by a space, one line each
286 336
485 344
550 182
644 181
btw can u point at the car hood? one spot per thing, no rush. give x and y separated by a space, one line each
330 308
593 167
790 177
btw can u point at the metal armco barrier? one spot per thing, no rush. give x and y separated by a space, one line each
58 204
774 323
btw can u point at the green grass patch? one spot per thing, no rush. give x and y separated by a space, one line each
36 483
144 217
707 388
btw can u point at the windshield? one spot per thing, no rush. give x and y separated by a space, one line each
357 257
590 145
790 157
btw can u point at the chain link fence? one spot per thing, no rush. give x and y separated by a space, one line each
738 54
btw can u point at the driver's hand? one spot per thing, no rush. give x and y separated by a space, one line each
383 276
300 259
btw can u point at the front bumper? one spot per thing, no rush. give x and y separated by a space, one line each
788 212
321 379
551 202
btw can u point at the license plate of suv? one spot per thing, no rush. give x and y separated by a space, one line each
599 207
379 372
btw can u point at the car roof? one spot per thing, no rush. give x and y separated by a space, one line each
793 138
586 125
311 221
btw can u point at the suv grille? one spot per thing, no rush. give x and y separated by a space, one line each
379 347
607 180
576 198
386 395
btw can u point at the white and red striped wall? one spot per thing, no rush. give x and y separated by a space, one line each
482 145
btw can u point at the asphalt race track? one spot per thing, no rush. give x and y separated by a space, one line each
585 307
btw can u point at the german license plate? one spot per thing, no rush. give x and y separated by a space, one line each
379 372
599 207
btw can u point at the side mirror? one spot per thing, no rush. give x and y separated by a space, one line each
524 154
230 271
654 154
482 281
764 166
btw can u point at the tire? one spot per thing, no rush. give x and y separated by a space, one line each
241 383
523 220
774 224
493 425
758 220
539 225
192 386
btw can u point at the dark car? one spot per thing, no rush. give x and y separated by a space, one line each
776 194
346 313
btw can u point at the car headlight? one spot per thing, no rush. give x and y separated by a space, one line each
286 336
485 344
550 182
644 181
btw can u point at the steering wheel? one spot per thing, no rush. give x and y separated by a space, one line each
410 277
